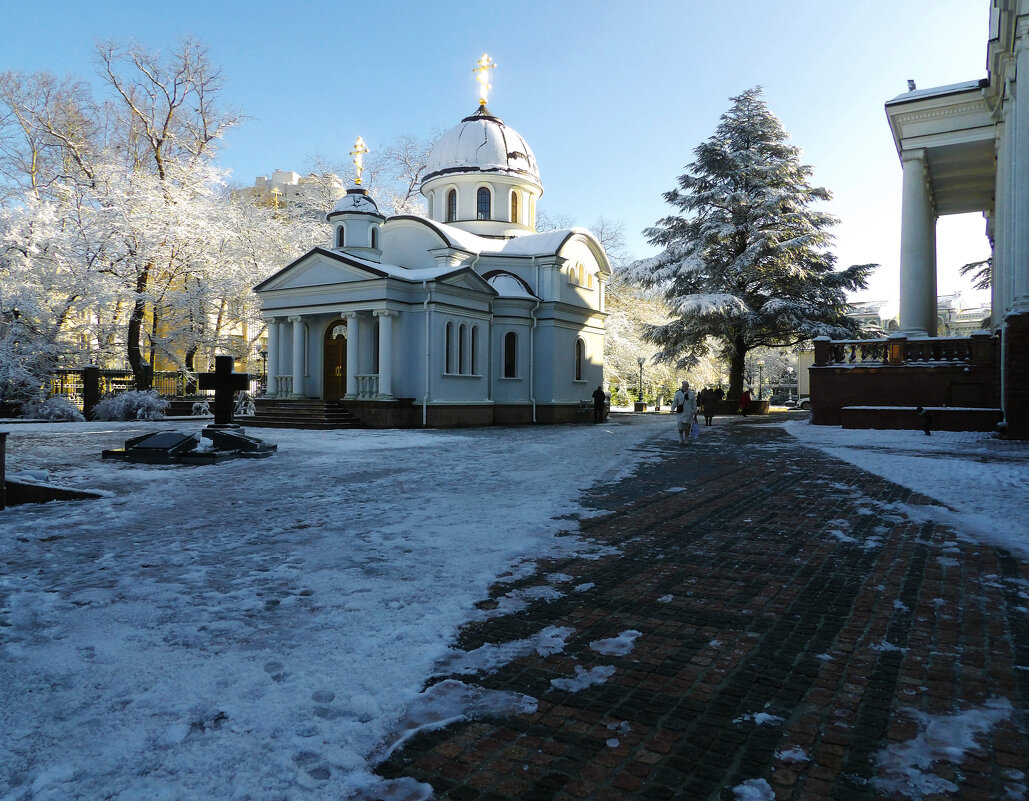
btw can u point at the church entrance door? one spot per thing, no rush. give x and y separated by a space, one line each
335 373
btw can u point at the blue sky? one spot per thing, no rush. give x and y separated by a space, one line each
611 96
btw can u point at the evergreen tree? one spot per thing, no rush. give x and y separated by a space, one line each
746 261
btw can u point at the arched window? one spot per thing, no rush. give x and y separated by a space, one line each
510 355
449 345
432 196
473 365
375 237
580 357
462 349
339 237
514 206
482 204
452 205
589 280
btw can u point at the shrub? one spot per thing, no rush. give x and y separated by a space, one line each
133 405
59 408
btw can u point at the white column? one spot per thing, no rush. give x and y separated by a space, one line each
1019 144
917 249
283 351
385 352
298 357
272 365
352 354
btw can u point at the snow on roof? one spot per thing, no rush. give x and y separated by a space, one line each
356 200
540 244
936 91
508 285
482 143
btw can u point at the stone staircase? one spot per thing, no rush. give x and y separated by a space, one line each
308 414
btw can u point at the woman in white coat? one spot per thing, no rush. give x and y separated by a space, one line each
684 405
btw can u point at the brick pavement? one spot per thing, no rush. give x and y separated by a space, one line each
796 628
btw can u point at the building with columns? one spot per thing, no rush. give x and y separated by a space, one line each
467 317
965 148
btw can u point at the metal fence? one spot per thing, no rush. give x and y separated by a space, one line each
172 385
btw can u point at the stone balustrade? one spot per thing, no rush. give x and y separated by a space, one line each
367 386
897 350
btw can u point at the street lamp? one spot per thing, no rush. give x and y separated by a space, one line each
760 376
264 368
639 361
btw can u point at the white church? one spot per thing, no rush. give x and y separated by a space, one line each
466 317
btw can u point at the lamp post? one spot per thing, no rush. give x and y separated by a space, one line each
264 369
760 376
639 361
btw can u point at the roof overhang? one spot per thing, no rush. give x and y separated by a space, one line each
955 128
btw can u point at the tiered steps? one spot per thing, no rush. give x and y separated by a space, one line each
307 413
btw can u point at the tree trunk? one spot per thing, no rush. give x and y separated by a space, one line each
736 371
133 336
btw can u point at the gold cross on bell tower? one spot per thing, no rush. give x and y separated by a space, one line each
358 153
482 68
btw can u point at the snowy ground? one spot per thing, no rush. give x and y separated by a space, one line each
263 629
980 482
259 629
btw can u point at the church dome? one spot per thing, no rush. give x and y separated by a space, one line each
482 143
356 200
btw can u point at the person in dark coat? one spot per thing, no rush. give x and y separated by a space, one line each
707 401
719 393
745 402
599 404
927 420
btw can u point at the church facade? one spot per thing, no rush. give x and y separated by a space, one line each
468 316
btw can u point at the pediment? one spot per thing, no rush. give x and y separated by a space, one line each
467 279
317 268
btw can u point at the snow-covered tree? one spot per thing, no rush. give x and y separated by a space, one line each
746 260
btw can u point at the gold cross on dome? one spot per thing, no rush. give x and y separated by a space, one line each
482 68
358 153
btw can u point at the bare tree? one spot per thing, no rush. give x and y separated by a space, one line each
168 114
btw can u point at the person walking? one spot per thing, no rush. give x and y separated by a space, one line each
745 402
684 406
599 404
707 403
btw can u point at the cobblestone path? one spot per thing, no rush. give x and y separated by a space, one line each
802 635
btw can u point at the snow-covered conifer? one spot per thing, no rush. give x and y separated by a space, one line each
746 260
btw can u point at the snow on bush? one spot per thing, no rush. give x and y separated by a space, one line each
133 405
59 408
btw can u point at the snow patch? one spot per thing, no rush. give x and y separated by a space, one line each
617 646
584 678
905 768
753 790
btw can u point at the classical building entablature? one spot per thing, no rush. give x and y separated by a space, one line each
952 130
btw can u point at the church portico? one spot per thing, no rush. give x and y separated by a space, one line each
963 148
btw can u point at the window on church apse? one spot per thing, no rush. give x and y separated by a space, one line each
510 355
452 205
580 357
375 237
449 353
472 366
462 350
482 200
339 237
514 206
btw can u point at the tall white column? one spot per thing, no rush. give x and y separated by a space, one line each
385 352
1019 144
352 354
298 357
283 353
917 249
272 363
